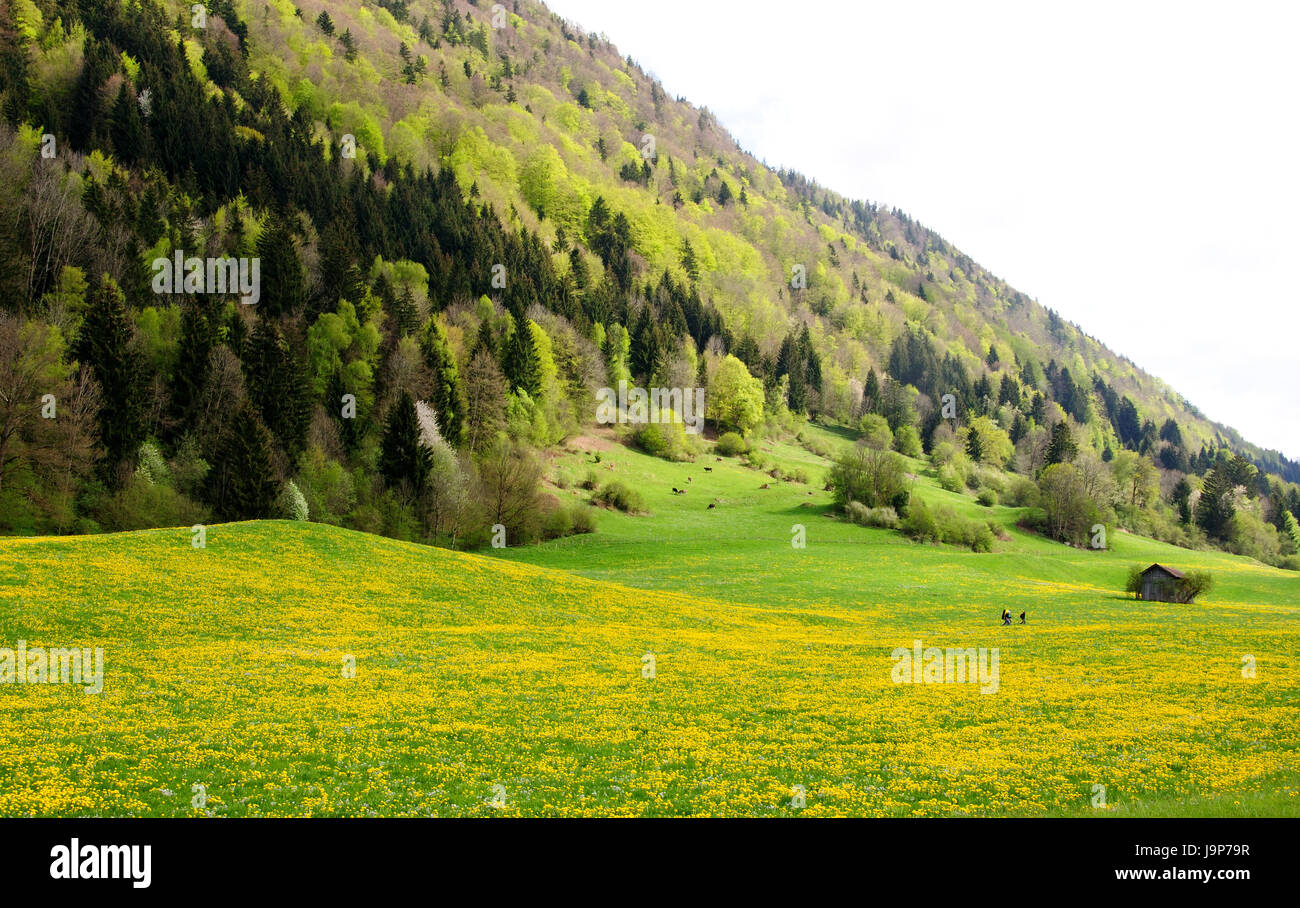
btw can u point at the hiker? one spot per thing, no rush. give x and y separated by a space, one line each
1022 617
1006 618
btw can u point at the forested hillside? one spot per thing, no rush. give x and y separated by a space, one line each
465 219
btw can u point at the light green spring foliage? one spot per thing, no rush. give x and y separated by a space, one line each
539 154
339 342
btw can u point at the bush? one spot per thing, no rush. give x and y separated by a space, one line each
907 442
1021 492
584 519
142 504
730 444
1193 584
943 524
1134 583
873 477
885 518
621 497
666 439
987 497
591 481
875 432
950 480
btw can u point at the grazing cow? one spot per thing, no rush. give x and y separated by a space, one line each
764 486
708 469
711 505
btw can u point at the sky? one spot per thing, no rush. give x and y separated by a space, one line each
1133 166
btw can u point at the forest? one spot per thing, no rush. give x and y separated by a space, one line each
460 235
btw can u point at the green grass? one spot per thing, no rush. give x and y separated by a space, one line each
522 668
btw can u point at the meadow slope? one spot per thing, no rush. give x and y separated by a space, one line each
772 670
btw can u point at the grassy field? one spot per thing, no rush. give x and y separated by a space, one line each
512 682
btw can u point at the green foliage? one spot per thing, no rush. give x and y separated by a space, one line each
870 476
620 496
730 444
735 398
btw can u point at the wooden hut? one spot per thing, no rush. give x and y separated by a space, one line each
1160 584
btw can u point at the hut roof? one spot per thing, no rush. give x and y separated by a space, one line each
1168 570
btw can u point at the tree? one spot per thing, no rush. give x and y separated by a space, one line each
1062 447
872 477
242 484
508 478
325 23
519 360
283 286
106 346
278 388
735 398
874 432
1070 513
448 395
404 461
30 367
1217 505
485 401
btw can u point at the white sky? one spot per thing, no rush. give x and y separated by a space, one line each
1131 165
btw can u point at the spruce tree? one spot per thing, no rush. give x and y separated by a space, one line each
1062 448
404 461
105 344
283 287
520 362
242 484
448 393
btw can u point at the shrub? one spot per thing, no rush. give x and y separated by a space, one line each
987 497
943 524
919 522
1193 584
885 518
950 480
873 477
584 520
1134 583
142 504
875 432
666 439
1021 492
907 442
798 475
730 444
621 497
591 481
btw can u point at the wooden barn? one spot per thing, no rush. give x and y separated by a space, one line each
1160 584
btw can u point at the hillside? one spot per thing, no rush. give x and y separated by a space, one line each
223 668
466 220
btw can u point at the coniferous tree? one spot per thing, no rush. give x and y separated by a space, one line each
197 339
519 360
278 388
1062 448
105 344
283 285
448 392
404 460
241 484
